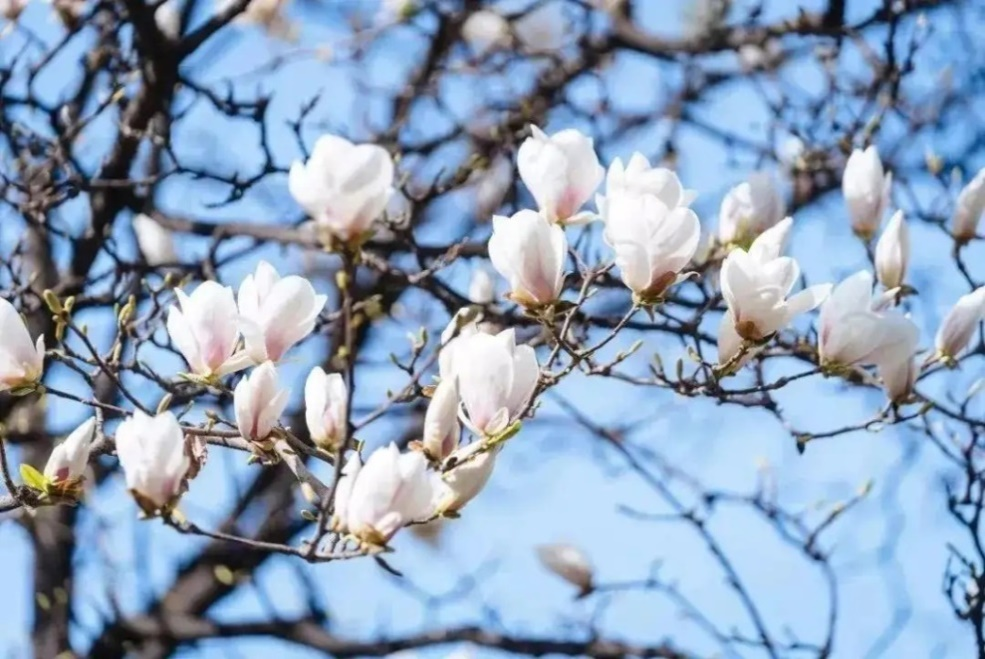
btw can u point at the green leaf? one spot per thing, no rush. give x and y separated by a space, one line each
33 478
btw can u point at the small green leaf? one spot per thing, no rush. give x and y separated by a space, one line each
33 478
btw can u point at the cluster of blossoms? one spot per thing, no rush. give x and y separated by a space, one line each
487 380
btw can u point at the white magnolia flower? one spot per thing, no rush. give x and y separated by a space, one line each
856 331
757 293
460 485
496 382
203 327
155 242
486 30
959 325
653 242
969 208
343 493
638 178
325 408
68 460
152 455
893 252
482 287
345 187
771 243
529 252
462 324
441 426
749 209
21 360
866 187
561 171
899 374
391 490
276 312
259 402
569 563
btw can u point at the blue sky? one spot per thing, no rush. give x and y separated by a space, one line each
556 483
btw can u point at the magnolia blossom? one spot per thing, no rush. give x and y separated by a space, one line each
462 324
482 287
152 455
529 252
638 178
325 408
969 208
959 325
68 460
21 360
561 171
757 292
463 483
856 331
485 30
259 402
866 188
390 491
155 242
569 563
749 209
893 252
441 426
344 186
203 328
399 9
496 382
653 242
275 312
343 492
899 375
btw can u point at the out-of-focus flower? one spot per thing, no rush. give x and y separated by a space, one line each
749 209
325 408
155 242
569 563
390 491
68 460
482 287
529 252
562 172
12 9
21 360
152 455
441 426
959 325
486 30
344 187
969 208
866 187
203 327
496 382
268 15
893 252
399 10
168 20
276 313
259 402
